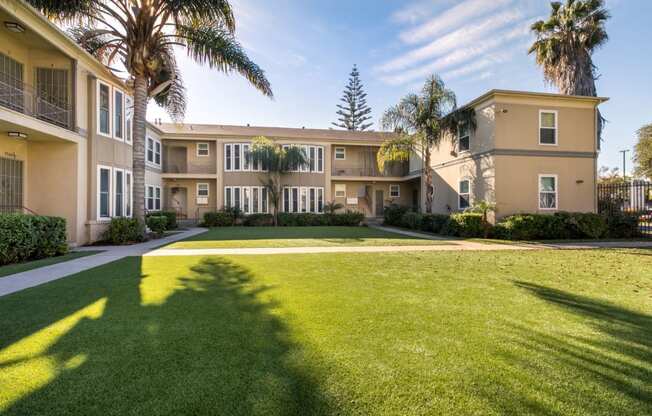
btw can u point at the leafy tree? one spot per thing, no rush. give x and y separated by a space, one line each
608 176
140 35
277 161
419 121
565 43
643 152
354 113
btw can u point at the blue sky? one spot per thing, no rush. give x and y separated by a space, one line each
307 49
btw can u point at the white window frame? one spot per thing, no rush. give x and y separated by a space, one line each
262 206
114 193
130 195
208 189
459 138
391 191
208 149
158 198
342 187
548 175
244 164
343 153
147 189
309 199
556 128
129 119
154 142
115 92
460 194
98 100
99 199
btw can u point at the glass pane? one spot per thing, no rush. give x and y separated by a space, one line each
548 136
548 120
464 187
104 205
464 201
104 180
118 114
464 143
547 200
228 156
548 184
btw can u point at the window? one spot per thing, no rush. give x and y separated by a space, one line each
153 151
11 79
118 193
104 192
463 137
548 192
320 159
340 153
129 119
202 149
245 157
314 156
228 153
157 198
394 191
548 127
152 198
340 190
237 158
253 201
104 109
118 121
52 86
303 199
464 200
128 194
202 190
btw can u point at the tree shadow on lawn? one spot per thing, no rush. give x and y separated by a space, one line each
210 347
568 369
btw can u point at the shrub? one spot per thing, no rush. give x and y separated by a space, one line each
411 220
348 218
218 219
30 237
157 223
393 214
590 225
171 218
433 222
622 225
464 225
558 226
122 230
258 220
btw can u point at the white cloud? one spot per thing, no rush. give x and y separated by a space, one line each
451 18
460 55
468 35
420 10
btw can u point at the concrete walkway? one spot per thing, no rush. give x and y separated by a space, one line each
35 277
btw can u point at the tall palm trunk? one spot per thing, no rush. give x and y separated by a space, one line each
430 190
139 127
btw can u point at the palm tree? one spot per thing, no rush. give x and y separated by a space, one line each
483 207
565 43
417 119
332 207
277 161
140 35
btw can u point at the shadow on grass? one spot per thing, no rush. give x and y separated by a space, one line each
567 368
210 347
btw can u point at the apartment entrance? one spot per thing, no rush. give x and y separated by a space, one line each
380 203
11 185
178 201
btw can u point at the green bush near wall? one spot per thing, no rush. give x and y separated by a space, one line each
158 224
122 230
557 226
258 220
31 237
218 219
171 218
463 225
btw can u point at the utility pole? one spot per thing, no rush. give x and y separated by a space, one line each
624 152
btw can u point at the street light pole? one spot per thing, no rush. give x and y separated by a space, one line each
624 152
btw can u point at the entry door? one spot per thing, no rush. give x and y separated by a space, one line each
380 199
11 185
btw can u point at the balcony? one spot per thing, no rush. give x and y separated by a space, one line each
23 98
392 170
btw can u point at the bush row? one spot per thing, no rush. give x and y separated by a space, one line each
122 230
171 223
557 226
229 218
31 237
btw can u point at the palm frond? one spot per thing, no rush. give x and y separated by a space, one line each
215 45
187 11
66 10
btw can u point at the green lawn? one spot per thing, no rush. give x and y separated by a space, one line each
29 265
254 237
459 333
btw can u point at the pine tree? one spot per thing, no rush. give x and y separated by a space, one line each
355 111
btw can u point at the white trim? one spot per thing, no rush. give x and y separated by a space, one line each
343 149
548 175
208 149
98 192
556 128
97 110
114 193
154 152
154 188
309 204
398 193
130 195
468 134
115 91
460 194
340 185
208 190
129 121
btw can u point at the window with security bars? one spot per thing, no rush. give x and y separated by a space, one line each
53 97
11 83
11 185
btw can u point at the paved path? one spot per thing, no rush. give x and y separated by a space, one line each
35 277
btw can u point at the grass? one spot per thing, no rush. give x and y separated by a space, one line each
254 237
35 264
463 333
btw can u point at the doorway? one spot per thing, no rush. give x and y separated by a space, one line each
380 202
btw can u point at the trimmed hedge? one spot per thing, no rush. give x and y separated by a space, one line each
258 220
306 219
218 219
433 222
464 225
558 226
393 215
348 219
122 230
412 220
171 218
157 223
623 225
31 237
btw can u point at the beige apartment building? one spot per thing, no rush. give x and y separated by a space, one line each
66 149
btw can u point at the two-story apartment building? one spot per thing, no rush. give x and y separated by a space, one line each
205 167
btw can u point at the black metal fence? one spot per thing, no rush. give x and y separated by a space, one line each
633 198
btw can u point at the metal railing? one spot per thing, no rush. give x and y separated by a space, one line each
633 198
16 209
19 96
393 170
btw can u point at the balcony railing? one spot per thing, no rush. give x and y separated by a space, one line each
392 170
21 97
